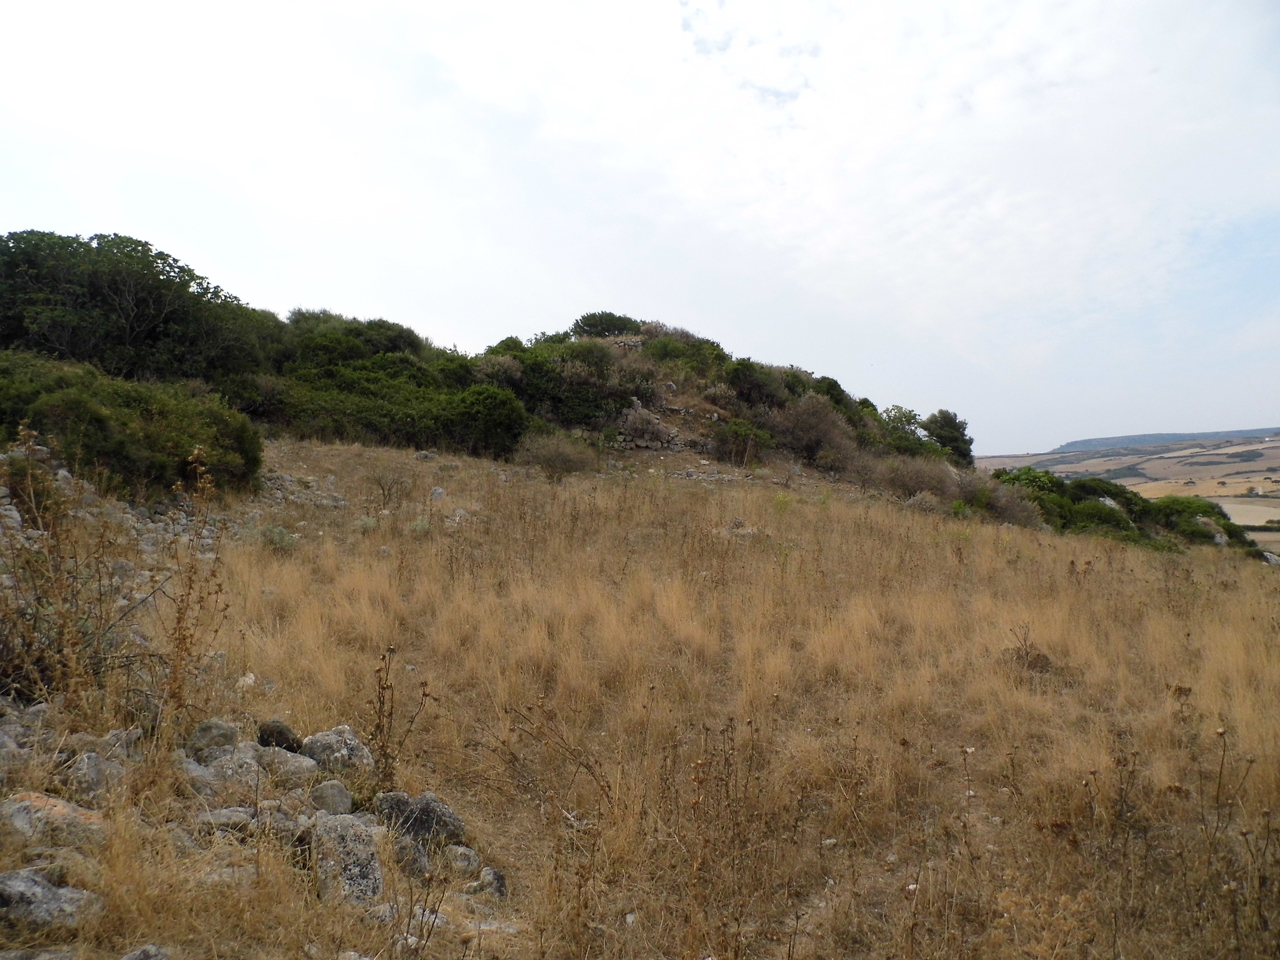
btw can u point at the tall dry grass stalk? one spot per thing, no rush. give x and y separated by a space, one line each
836 727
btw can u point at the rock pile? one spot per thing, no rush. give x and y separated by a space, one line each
295 791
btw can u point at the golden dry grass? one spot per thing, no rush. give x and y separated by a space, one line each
826 732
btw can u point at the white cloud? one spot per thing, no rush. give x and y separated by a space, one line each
938 202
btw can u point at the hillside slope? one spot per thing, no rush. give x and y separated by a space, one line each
696 715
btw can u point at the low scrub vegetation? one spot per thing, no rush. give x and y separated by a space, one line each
133 438
1097 505
139 314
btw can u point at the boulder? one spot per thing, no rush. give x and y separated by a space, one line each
288 770
211 733
277 733
338 751
37 818
90 776
55 953
332 796
346 859
31 903
424 819
229 781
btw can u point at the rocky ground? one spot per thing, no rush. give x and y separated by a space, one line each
309 796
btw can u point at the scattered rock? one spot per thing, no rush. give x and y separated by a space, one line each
332 796
437 493
414 861
277 733
462 860
50 954
423 819
234 819
346 859
52 822
90 776
338 751
288 770
491 881
211 733
31 903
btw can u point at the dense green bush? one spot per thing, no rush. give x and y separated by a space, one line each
135 437
1078 505
740 441
136 312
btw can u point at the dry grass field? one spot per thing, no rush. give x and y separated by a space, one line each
748 719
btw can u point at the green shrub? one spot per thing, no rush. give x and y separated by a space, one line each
278 539
136 437
741 442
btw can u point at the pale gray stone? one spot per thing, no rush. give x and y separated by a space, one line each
346 859
332 796
288 770
90 776
338 751
30 902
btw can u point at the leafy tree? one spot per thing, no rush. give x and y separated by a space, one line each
948 431
604 324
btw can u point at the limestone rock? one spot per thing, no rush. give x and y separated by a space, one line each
211 733
277 733
346 859
338 751
423 819
288 770
38 818
31 903
90 776
332 796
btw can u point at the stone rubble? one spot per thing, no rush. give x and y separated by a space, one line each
243 794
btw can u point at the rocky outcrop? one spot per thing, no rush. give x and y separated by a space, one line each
31 904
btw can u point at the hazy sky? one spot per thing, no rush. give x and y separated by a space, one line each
1060 219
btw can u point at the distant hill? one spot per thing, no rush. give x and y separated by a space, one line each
1151 439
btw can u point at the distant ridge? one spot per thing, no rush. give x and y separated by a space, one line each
1151 439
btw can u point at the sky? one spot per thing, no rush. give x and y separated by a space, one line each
1059 219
